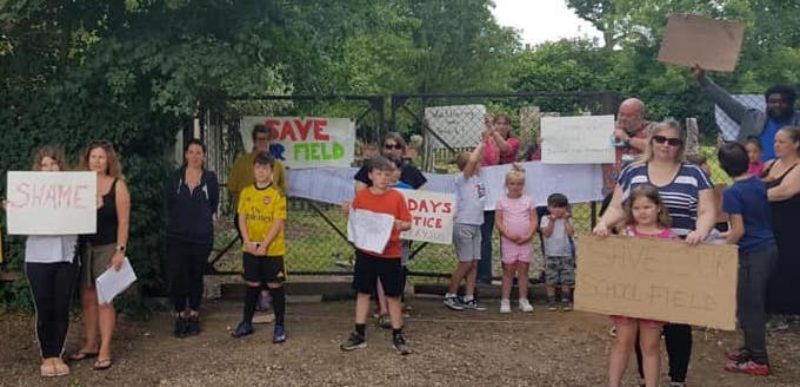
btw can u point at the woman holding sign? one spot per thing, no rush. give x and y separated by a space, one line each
102 250
689 199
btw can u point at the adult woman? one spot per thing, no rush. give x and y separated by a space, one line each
51 269
689 198
192 194
102 250
783 183
500 147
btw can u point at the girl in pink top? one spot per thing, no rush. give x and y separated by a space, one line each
516 221
754 151
499 146
647 217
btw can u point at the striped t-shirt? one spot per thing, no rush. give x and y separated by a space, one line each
680 196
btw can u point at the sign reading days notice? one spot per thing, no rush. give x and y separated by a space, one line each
666 281
306 142
578 140
431 216
52 203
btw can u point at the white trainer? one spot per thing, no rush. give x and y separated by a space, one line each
525 306
505 306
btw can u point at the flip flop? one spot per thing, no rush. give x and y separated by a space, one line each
61 369
78 356
101 365
47 370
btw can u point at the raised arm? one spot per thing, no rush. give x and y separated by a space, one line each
720 96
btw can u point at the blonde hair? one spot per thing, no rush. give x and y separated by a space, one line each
516 173
651 193
113 167
648 154
53 152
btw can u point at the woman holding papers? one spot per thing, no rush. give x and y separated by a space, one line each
103 250
51 269
689 198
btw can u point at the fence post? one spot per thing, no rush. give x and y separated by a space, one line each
692 136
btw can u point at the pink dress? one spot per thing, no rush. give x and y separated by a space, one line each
517 221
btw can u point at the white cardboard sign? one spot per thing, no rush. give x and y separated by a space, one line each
578 140
51 203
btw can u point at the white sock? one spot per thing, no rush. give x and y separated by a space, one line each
468 298
448 295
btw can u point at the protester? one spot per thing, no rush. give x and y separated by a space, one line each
780 112
746 205
689 199
192 195
557 231
516 221
500 147
102 250
754 153
262 219
470 198
646 217
385 267
783 183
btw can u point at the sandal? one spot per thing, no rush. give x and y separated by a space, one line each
101 365
61 369
78 356
47 370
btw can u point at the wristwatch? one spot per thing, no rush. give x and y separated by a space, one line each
120 247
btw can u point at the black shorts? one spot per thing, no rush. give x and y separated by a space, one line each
370 268
263 269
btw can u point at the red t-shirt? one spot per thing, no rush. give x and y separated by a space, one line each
391 202
493 156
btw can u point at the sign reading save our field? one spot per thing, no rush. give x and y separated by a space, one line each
306 142
51 203
666 281
431 216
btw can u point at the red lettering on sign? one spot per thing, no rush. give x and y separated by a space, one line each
55 196
304 127
273 128
287 131
319 135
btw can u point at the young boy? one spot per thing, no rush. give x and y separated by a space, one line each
746 204
262 217
470 196
371 267
559 262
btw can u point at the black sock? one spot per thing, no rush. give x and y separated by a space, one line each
397 332
278 304
250 300
361 329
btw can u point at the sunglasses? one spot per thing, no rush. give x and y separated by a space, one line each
393 146
669 141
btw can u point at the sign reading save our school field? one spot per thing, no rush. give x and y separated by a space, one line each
51 203
431 216
667 281
578 140
306 142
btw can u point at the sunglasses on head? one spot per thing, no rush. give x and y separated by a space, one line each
669 141
393 146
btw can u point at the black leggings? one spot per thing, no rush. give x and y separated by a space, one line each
185 264
678 339
52 285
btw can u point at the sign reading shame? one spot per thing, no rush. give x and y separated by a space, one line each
578 140
459 126
431 216
52 203
306 142
667 281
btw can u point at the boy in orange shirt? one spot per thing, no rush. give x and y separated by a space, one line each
370 267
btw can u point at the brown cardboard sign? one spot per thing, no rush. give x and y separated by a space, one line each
659 280
692 39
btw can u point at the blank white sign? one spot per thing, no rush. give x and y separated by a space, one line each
578 140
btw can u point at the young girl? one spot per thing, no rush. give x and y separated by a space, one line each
646 218
754 151
516 221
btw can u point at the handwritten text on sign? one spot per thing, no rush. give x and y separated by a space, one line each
459 126
306 142
52 203
431 216
578 140
658 280
369 230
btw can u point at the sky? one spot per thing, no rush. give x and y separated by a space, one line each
542 20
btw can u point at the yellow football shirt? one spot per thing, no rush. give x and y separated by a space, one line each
260 208
242 174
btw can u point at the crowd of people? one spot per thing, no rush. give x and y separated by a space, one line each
655 190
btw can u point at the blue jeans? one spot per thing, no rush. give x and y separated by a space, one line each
485 264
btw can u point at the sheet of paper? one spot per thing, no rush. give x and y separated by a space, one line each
693 39
578 140
113 282
369 230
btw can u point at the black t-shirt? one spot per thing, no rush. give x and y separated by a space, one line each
409 175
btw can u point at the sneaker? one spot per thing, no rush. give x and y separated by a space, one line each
552 305
777 324
400 345
180 327
738 354
355 341
505 306
525 306
192 326
279 334
245 328
385 322
453 303
566 305
472 305
748 367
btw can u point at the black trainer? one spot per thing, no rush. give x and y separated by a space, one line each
193 325
355 341
400 345
180 326
245 328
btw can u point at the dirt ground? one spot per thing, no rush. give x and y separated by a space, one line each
451 348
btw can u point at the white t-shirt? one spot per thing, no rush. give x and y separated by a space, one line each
50 248
557 245
470 197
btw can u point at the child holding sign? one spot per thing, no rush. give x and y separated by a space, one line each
646 218
746 204
516 221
